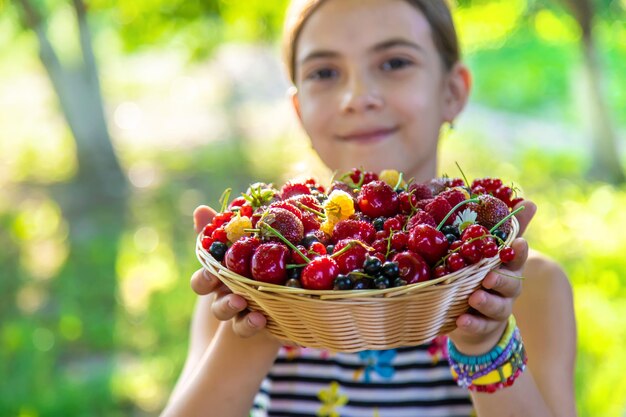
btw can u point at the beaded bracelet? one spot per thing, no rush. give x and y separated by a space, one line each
494 370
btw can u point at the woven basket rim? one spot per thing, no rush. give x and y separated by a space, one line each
225 275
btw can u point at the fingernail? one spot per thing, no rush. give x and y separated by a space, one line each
235 304
251 323
207 275
466 322
481 299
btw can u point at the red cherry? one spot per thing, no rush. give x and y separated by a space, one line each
320 274
269 263
377 199
440 271
295 256
507 254
413 268
455 262
471 252
490 249
239 256
473 231
428 242
207 242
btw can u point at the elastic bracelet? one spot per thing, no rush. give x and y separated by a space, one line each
494 370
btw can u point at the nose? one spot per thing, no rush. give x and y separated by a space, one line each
360 95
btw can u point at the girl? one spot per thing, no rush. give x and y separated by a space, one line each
374 81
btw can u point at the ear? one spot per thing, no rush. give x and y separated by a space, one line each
457 86
295 102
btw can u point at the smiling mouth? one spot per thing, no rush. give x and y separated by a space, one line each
373 135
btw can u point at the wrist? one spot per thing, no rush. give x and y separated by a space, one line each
479 344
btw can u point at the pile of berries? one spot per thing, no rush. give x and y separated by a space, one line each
365 231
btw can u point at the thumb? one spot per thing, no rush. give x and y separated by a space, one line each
202 216
525 216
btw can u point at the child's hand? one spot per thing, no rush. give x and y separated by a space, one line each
225 305
478 332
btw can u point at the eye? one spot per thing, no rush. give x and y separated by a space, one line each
395 64
322 74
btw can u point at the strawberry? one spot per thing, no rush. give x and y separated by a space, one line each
239 256
310 222
284 222
378 199
291 189
354 229
490 211
306 200
269 263
289 207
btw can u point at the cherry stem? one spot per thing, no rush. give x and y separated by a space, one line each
463 174
288 243
303 206
349 246
294 266
398 183
499 272
462 203
224 199
513 213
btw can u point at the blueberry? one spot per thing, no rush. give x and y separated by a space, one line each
451 238
399 282
342 282
379 223
294 273
391 269
500 235
309 239
293 283
372 265
362 284
382 282
330 248
450 230
218 250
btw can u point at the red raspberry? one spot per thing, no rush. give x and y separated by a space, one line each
220 235
237 202
310 222
421 217
421 191
439 208
354 229
291 189
306 200
320 274
377 199
239 256
453 196
222 218
421 204
352 258
246 211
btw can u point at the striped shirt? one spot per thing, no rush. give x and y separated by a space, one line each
404 382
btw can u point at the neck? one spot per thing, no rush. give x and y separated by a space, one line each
424 171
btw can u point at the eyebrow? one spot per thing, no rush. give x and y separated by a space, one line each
388 44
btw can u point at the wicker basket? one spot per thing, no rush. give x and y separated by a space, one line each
355 320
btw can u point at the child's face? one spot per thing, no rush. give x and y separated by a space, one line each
372 90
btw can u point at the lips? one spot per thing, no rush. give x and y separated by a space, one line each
368 135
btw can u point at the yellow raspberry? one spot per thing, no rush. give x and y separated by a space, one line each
327 227
339 206
391 177
235 228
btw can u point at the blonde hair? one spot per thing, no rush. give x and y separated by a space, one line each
436 12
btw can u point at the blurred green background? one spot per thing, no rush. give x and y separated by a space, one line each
117 118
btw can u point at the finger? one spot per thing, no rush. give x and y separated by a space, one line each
475 327
520 246
506 286
227 305
202 216
492 306
249 324
525 216
203 282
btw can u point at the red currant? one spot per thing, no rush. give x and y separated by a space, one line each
507 254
